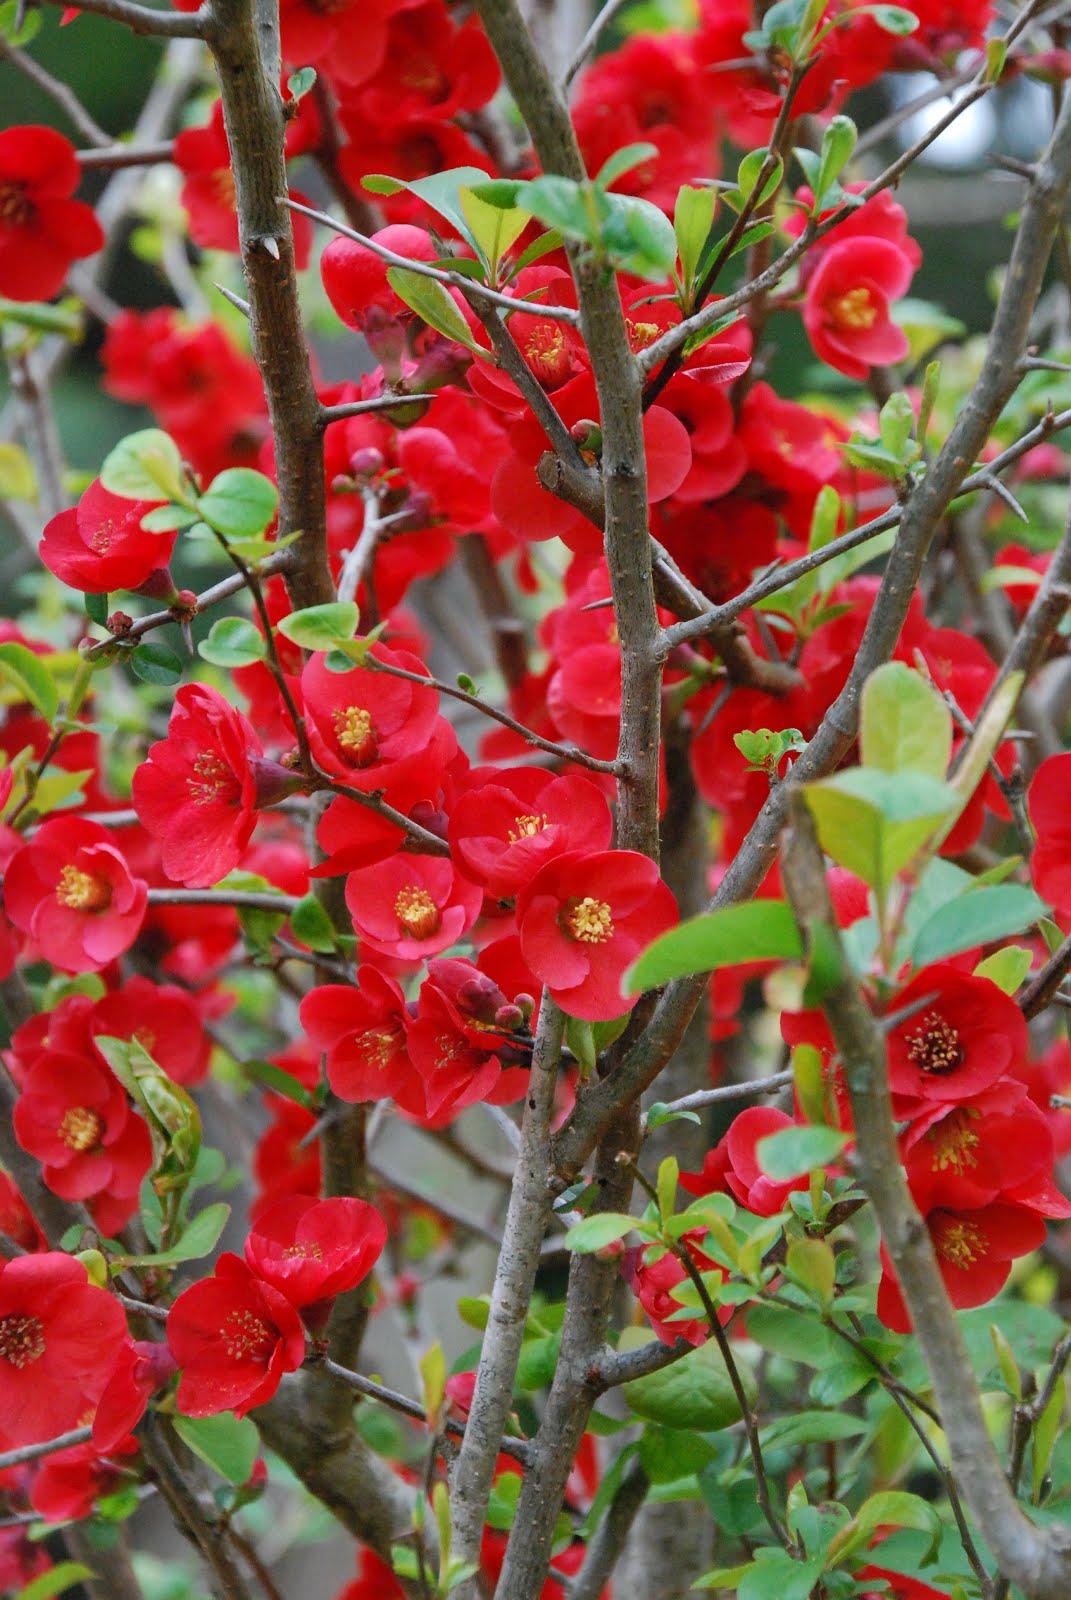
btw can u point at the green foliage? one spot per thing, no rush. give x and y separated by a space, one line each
322 627
239 503
762 930
694 1392
145 466
797 1150
232 642
228 1444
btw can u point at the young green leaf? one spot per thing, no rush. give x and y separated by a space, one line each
239 503
762 930
904 723
30 676
232 642
432 303
799 1150
144 466
228 1445
322 627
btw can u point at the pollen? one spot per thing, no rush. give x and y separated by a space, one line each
247 1337
308 1250
588 920
376 1047
81 1128
962 1244
417 912
16 207
935 1047
100 541
213 777
546 353
954 1143
527 827
854 309
356 735
82 891
22 1340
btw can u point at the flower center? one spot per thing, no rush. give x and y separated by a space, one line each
309 1251
527 827
417 913
546 352
376 1047
954 1143
83 891
81 1128
100 540
16 207
641 334
962 1244
587 920
214 780
936 1046
356 736
854 309
247 1337
22 1340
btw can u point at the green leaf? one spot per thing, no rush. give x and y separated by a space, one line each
838 143
622 161
693 218
1043 1439
812 1264
670 1454
874 822
695 1392
780 1578
748 176
799 1150
239 503
904 723
896 424
980 747
281 1082
495 228
761 930
144 466
19 27
432 303
722 1577
96 608
659 1114
560 203
229 1444
322 627
639 237
891 1508
199 1238
300 82
668 1176
797 1335
595 1233
232 642
17 478
1009 1370
165 519
981 916
31 677
58 1578
311 925
441 191
1006 968
894 19
154 662
811 1427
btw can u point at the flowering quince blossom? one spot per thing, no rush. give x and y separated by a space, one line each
233 1337
458 1038
363 1032
411 906
42 230
961 1043
73 1115
197 790
584 918
1050 864
58 1337
732 1167
654 1272
70 889
100 545
312 1250
974 1249
507 825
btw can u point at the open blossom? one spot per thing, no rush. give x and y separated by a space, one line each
73 1115
42 230
654 1272
967 1036
456 1043
311 1250
732 1167
70 889
846 312
974 1250
197 789
411 906
58 1338
362 1030
99 545
584 919
362 723
509 824
233 1337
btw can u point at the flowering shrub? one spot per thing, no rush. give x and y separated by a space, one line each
622 682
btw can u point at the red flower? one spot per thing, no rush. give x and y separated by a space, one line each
1050 863
411 906
58 1339
584 918
974 1250
363 1032
732 1166
203 156
42 230
100 545
311 1250
654 1272
455 1043
287 1156
959 1043
73 1115
164 1019
72 892
196 790
846 312
509 824
971 1157
362 722
431 68
139 1370
233 1336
